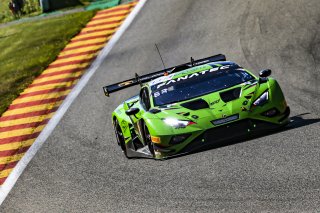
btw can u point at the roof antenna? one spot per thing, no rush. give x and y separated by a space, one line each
160 56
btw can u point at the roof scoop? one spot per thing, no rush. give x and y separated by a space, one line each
230 95
196 104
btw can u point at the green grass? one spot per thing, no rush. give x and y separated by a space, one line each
28 48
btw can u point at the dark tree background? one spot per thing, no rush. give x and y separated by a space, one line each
60 4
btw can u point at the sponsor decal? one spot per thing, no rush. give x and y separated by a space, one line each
163 91
243 109
184 113
125 83
225 120
166 80
124 125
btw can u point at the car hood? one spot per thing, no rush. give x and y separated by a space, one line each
217 105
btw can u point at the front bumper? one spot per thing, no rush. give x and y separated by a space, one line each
238 130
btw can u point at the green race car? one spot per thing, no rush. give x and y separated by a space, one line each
183 108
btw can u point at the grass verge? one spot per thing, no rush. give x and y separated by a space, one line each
28 48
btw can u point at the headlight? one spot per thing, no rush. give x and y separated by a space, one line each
262 99
177 123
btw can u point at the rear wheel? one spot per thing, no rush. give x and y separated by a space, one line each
120 137
147 138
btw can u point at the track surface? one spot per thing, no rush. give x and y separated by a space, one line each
81 169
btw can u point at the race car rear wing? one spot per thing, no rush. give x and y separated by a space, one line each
149 77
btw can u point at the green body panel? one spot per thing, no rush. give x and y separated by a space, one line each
218 109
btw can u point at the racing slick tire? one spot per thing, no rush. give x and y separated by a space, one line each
119 136
147 138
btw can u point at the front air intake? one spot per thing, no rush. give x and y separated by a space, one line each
196 104
230 95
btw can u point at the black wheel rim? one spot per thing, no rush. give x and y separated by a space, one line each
120 137
148 140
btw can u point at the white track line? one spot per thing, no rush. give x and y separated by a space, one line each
22 164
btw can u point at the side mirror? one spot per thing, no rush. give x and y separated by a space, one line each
265 73
132 111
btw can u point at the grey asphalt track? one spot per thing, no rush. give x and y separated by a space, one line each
81 169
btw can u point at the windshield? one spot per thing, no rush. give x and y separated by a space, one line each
197 84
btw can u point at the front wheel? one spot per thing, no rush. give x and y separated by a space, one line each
120 137
147 138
